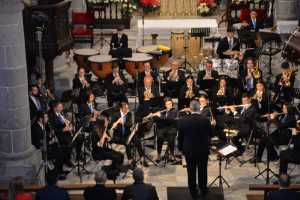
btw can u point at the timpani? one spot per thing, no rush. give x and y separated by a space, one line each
136 62
101 65
81 57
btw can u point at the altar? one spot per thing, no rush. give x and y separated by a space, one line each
164 27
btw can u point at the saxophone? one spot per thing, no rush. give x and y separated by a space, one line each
256 73
189 93
221 91
148 95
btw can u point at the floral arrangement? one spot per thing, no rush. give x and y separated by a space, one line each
245 1
206 7
149 5
128 6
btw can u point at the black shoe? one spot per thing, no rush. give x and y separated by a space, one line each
157 160
61 177
204 192
145 163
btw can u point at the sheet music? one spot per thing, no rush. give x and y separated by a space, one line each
227 150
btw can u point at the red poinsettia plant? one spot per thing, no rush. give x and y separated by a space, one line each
149 5
209 3
206 7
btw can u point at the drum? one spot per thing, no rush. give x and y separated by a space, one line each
81 56
194 45
291 49
101 65
161 56
136 61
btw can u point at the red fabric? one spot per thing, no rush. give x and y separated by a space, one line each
81 31
151 3
245 14
24 196
210 3
82 18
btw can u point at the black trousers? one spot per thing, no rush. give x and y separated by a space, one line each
166 134
195 165
58 156
286 157
116 157
278 137
65 141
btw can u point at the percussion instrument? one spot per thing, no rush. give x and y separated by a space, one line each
228 67
81 56
159 52
291 49
194 45
101 65
136 62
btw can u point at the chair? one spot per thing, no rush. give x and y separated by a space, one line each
82 27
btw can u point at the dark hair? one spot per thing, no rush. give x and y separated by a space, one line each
203 96
121 28
285 65
209 62
122 104
168 99
33 85
230 29
51 179
189 77
245 95
40 114
87 96
284 180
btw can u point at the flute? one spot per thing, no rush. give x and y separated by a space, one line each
233 106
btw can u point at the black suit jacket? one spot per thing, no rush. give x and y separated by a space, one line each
167 119
37 135
33 108
142 75
115 90
287 91
115 42
259 25
140 191
51 193
224 46
128 124
154 90
99 192
194 135
246 120
55 123
283 194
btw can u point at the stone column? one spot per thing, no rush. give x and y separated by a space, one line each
17 156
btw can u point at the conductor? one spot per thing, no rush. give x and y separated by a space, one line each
193 141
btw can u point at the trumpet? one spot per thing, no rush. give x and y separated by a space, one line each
256 73
233 106
189 93
221 92
148 95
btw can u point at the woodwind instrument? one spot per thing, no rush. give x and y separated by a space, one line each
148 117
276 115
148 95
173 76
189 93
233 106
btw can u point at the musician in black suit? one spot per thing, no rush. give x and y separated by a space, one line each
260 98
139 190
253 23
81 84
284 192
207 78
35 102
116 86
149 98
175 78
245 121
291 155
119 39
62 129
148 71
281 136
41 128
249 76
229 46
284 84
100 191
166 128
121 124
193 141
187 92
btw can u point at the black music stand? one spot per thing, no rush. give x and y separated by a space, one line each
269 39
246 37
223 152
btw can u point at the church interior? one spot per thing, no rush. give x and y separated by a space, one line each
149 99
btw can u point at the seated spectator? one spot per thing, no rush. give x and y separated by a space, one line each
284 192
51 191
99 190
139 190
16 190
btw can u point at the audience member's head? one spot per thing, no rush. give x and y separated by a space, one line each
51 179
138 175
100 177
34 90
16 185
284 181
194 106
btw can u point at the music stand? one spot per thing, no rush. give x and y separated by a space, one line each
223 152
246 37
